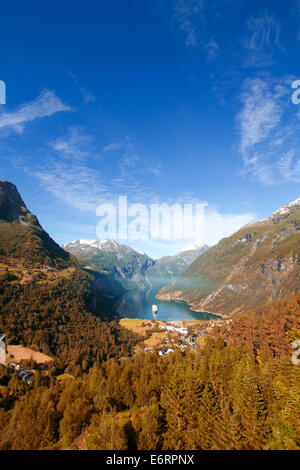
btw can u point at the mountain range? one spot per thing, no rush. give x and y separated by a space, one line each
128 267
259 262
61 300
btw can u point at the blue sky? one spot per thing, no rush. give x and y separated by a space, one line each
160 100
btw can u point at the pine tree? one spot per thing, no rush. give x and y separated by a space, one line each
248 404
227 434
207 413
108 435
286 424
180 400
173 402
150 437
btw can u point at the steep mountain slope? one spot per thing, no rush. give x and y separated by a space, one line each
253 266
46 300
23 242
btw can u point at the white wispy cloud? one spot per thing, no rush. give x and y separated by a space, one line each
112 147
191 18
74 184
46 104
86 94
269 130
261 113
265 31
289 167
263 39
188 15
218 225
79 176
212 50
76 143
129 163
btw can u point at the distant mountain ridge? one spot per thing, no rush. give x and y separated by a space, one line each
112 258
168 268
259 262
131 268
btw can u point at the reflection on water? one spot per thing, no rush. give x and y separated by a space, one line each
138 304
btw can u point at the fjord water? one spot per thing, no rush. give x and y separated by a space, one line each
138 304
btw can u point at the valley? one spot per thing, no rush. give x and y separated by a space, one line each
88 366
138 304
149 231
131 269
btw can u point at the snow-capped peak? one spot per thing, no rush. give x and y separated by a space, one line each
94 243
87 242
193 246
287 207
279 212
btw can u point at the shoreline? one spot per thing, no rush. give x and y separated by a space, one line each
224 316
172 322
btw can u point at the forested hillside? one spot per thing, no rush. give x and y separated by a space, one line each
240 391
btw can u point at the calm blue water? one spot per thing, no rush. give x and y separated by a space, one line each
138 304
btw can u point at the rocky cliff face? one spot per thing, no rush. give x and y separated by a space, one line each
256 264
23 242
12 207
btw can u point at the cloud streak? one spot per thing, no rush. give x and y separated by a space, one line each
45 105
81 177
73 184
262 112
76 144
265 31
269 130
190 17
263 40
87 96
